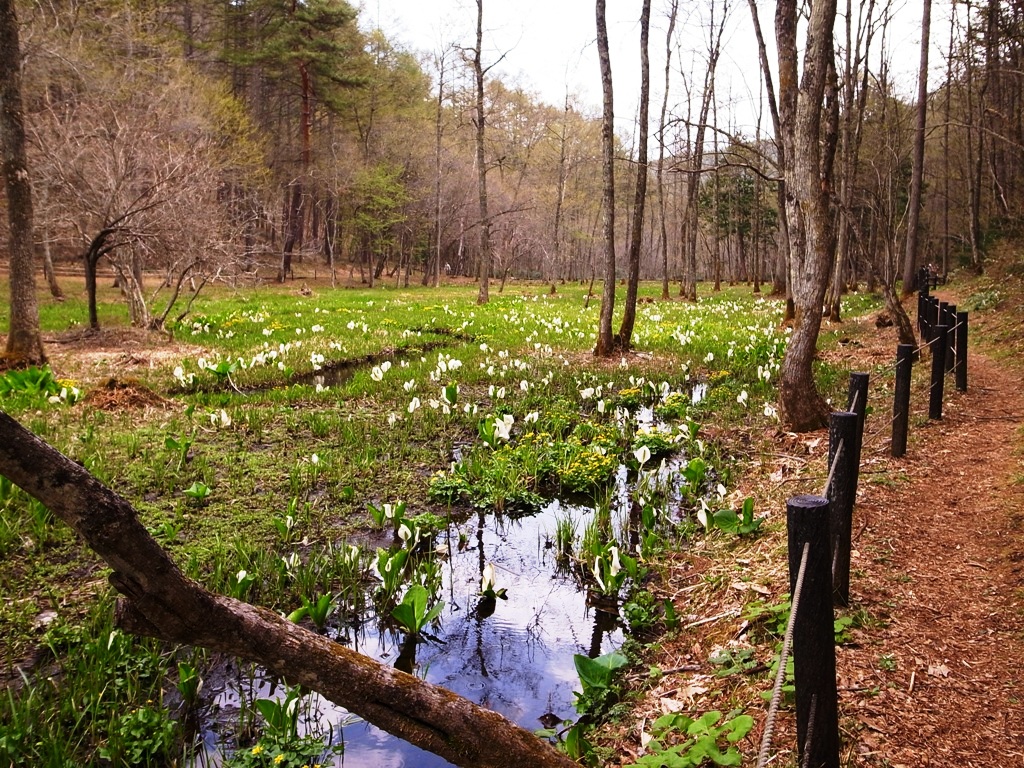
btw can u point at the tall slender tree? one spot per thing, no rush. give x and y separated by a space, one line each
481 169
24 341
605 341
660 179
910 258
625 334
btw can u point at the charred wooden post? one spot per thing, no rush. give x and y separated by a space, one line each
938 345
950 320
901 399
842 494
960 371
814 650
857 402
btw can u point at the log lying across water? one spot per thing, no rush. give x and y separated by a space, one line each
159 601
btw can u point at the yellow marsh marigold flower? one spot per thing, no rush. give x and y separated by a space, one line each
257 749
279 759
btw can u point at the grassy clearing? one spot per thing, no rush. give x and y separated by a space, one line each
282 419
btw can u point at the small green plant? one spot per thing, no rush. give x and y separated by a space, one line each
412 613
982 300
318 610
611 568
189 683
887 663
841 627
281 716
388 515
659 441
390 567
198 491
487 585
565 537
773 617
674 406
732 661
32 382
179 448
697 741
596 677
280 745
643 611
239 584
742 524
587 469
143 736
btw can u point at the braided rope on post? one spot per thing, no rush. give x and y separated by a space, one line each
780 677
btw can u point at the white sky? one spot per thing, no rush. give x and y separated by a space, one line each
548 47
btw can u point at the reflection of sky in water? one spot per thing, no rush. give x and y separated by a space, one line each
517 661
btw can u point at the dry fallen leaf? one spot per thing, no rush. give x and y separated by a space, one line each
938 670
669 706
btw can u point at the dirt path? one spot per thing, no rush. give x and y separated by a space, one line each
938 677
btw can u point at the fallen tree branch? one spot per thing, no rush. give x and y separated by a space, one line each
160 601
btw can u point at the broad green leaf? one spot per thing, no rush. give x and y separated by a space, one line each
597 673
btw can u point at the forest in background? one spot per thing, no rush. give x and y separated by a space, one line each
212 139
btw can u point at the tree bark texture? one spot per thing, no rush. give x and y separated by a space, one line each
481 169
809 125
605 342
24 341
780 276
159 601
910 258
637 235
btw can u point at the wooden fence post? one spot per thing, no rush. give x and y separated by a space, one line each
857 402
842 494
814 649
938 345
901 399
960 370
950 320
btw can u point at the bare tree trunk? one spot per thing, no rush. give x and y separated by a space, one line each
779 286
24 341
975 148
131 287
673 12
605 342
808 116
625 334
293 231
910 259
435 274
48 271
945 155
481 169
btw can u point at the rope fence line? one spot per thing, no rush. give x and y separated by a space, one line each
780 676
820 534
832 469
810 733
